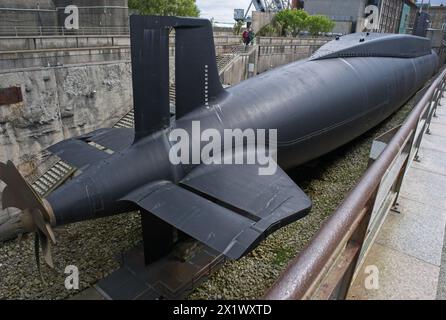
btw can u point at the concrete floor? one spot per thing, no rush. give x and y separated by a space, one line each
410 250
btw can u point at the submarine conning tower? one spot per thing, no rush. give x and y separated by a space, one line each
374 45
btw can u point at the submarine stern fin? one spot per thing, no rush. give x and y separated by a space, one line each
222 207
196 73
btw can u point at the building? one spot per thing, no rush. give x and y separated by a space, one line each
349 15
345 13
390 15
437 17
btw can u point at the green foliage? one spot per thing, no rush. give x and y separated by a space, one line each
294 21
185 8
318 24
238 27
268 31
291 21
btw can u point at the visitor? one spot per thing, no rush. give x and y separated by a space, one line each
246 37
251 36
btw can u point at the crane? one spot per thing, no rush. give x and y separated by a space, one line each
268 6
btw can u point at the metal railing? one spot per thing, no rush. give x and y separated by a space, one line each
18 31
288 49
326 267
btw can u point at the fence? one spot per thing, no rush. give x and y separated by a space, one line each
325 268
58 31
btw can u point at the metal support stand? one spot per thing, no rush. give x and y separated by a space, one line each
158 237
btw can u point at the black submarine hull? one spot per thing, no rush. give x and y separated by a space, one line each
317 105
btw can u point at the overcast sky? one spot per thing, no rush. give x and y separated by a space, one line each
223 10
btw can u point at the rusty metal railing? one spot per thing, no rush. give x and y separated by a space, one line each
326 267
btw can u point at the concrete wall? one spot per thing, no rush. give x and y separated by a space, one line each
238 69
30 17
271 57
60 42
340 11
38 51
438 16
60 103
82 41
96 13
274 52
270 53
343 27
31 14
52 58
261 19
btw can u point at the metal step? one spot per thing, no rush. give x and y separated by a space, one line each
53 178
128 121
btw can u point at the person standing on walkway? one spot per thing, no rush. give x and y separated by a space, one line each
246 37
251 36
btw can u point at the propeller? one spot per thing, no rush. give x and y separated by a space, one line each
37 215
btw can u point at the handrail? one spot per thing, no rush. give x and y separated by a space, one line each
17 31
325 268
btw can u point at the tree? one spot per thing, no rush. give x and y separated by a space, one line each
317 24
185 8
291 21
268 31
238 27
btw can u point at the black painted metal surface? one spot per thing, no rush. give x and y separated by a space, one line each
316 105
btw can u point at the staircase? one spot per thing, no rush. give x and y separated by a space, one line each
225 59
53 178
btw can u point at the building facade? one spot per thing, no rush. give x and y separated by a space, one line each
437 17
350 15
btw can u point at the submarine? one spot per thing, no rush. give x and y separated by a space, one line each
316 105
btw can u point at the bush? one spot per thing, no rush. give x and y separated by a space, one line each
268 31
238 27
317 24
292 22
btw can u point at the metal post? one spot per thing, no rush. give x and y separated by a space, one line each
438 98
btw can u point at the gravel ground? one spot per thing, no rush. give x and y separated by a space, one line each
95 246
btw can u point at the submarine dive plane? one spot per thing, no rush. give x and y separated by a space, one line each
316 105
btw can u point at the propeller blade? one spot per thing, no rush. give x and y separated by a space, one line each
46 250
37 253
19 194
11 199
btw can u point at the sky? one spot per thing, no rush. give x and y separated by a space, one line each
223 10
